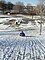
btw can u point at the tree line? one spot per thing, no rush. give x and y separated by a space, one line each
20 7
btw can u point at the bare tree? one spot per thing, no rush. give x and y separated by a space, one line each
19 3
41 8
19 6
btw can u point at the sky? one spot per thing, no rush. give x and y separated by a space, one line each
33 2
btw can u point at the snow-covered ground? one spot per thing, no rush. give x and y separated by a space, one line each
15 47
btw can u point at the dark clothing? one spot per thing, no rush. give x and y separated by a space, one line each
22 34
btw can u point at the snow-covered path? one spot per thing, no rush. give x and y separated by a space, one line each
16 47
